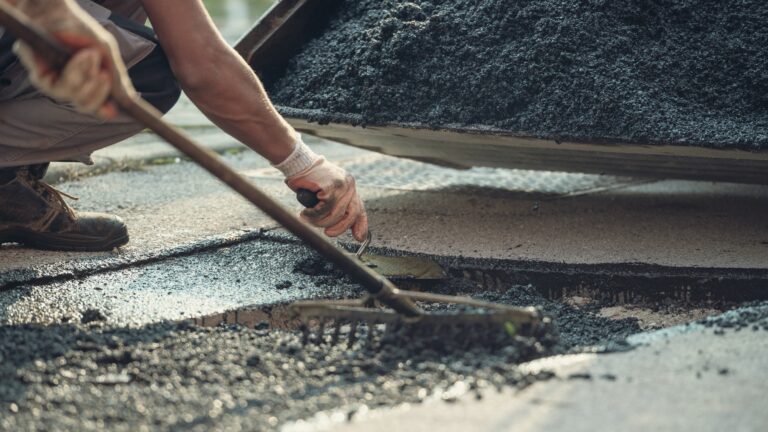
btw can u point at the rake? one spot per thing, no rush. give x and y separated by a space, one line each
385 305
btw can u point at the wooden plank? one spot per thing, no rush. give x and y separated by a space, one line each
463 149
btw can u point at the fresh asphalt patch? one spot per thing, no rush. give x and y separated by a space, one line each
91 373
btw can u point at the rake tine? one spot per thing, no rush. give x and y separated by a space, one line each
390 332
485 331
444 329
410 331
304 333
321 333
336 332
466 341
371 329
352 334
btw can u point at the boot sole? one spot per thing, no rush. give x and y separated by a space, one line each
63 242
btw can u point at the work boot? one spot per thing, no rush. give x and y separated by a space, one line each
35 214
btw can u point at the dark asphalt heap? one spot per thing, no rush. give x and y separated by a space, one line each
691 72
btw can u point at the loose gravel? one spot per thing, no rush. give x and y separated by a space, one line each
94 375
70 377
168 376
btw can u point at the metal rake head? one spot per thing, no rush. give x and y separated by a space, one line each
329 321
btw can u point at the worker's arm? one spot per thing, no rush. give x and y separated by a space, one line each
226 90
217 79
214 77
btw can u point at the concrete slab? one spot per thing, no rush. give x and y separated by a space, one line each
561 217
143 150
568 218
190 286
686 380
484 213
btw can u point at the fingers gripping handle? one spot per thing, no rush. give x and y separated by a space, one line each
307 198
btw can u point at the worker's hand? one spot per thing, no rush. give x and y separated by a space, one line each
95 70
340 207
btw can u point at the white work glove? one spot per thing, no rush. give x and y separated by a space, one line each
340 208
88 78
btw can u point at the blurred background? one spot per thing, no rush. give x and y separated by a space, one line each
235 17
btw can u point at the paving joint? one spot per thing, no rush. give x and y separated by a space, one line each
54 273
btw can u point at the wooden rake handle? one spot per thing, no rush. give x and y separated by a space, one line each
57 55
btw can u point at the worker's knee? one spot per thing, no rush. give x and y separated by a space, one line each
154 80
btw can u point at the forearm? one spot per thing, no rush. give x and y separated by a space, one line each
231 95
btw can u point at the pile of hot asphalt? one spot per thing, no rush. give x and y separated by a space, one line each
687 72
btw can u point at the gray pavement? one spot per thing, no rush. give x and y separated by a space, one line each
183 287
487 213
183 223
689 379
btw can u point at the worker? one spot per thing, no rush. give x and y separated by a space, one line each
49 115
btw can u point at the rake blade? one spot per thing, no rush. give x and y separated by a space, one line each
304 333
320 332
352 334
485 324
336 332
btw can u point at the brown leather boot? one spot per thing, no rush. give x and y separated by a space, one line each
34 214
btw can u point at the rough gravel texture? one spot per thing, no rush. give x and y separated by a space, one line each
170 376
183 377
94 375
753 315
691 72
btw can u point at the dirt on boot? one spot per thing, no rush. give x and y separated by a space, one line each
36 214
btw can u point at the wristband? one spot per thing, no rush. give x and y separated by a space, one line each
300 159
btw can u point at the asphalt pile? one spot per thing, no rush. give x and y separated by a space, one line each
687 72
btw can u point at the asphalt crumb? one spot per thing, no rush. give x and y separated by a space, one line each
582 376
752 314
170 376
182 376
688 72
92 315
324 272
284 285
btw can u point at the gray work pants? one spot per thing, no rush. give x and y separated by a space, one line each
36 129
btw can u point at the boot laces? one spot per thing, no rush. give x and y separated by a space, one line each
55 199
